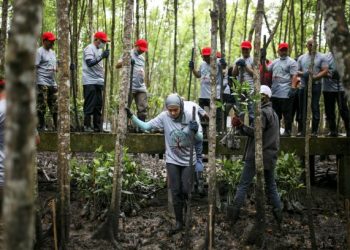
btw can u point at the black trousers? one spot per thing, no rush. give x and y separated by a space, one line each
296 112
330 98
283 108
179 182
93 105
315 105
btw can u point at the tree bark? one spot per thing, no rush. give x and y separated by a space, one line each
175 47
212 128
338 37
302 29
3 33
19 201
287 23
257 235
109 230
194 46
231 32
307 132
295 41
111 72
91 19
270 32
63 132
137 16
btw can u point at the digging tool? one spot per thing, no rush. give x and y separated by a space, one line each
340 105
130 86
52 205
104 92
263 62
72 68
222 97
190 81
192 166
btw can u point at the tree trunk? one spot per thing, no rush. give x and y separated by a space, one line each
63 152
212 129
222 34
194 46
302 29
91 19
270 33
257 235
231 32
338 37
109 230
147 81
246 18
3 33
111 72
307 133
19 203
279 20
137 25
175 47
287 23
295 41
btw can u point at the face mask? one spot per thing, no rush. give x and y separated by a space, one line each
283 57
101 45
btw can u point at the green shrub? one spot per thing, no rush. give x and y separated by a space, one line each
288 172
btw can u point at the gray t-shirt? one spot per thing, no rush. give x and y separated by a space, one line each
283 69
204 70
2 140
304 62
46 65
188 105
138 78
177 139
329 83
94 74
246 76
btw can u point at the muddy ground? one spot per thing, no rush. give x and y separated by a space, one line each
148 229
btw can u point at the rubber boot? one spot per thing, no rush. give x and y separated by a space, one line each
277 213
332 129
314 130
87 124
200 183
54 117
178 210
41 118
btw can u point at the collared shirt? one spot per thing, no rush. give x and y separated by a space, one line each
46 65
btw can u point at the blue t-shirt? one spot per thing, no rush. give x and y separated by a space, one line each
304 62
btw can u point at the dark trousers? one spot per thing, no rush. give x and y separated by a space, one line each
247 178
315 105
47 96
330 98
93 105
296 112
203 102
179 182
283 108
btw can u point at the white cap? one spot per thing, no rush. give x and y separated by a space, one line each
265 90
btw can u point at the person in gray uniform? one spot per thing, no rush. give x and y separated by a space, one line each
178 126
93 81
139 91
333 92
320 70
46 67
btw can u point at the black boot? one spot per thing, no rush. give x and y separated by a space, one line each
332 129
178 210
277 213
87 123
54 117
41 118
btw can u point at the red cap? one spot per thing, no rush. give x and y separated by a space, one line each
142 44
206 51
218 54
48 36
283 46
2 82
246 45
102 36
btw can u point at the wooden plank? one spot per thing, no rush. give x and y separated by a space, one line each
154 144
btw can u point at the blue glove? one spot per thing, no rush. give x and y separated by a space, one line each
105 53
292 92
241 63
194 126
223 62
306 75
191 65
